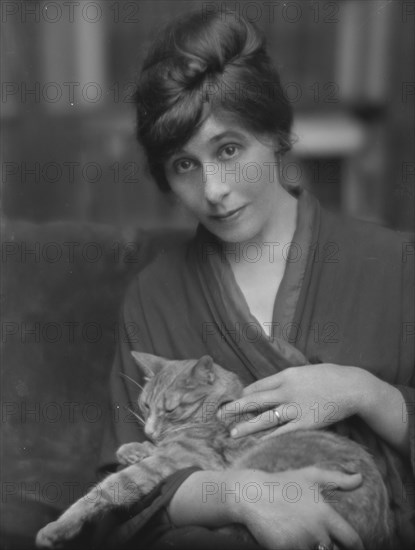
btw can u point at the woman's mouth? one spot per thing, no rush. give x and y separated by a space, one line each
228 216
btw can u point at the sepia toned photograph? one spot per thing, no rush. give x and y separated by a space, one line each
207 275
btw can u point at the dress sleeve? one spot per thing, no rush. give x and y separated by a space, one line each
121 425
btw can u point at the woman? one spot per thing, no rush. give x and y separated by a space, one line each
270 283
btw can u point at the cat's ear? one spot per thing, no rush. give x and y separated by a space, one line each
149 364
203 371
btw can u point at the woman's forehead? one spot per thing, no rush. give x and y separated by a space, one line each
215 128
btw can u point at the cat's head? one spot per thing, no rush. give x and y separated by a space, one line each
182 392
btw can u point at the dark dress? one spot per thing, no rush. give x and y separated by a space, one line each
346 297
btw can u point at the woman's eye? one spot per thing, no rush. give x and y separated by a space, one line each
229 151
184 165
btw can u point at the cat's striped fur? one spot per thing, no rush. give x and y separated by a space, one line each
179 403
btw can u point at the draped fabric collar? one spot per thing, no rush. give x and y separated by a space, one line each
261 354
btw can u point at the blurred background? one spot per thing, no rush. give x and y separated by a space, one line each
81 214
68 73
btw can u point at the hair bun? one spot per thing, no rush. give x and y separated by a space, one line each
229 40
207 45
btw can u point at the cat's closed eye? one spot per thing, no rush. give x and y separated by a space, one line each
171 403
170 407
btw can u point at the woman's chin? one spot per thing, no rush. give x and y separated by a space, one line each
230 233
233 236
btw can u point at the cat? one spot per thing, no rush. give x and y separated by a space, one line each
179 402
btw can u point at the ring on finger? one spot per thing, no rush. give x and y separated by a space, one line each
323 546
278 416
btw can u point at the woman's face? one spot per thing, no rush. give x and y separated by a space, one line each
228 180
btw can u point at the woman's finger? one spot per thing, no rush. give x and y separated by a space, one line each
336 478
246 407
271 418
289 418
268 383
263 421
346 482
341 532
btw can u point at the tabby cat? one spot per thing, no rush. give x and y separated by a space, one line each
179 403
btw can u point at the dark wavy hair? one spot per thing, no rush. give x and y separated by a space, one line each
201 64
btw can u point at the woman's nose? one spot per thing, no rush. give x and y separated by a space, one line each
215 183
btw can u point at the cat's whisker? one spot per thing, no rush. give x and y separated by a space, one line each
132 380
136 415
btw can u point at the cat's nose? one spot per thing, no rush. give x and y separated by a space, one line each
150 428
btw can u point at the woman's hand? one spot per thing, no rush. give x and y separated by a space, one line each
308 397
315 396
286 510
283 510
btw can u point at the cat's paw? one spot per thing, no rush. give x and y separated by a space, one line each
56 535
131 453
